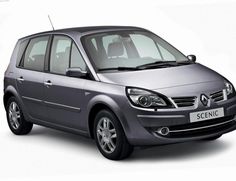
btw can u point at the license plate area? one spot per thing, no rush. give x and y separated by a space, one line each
206 115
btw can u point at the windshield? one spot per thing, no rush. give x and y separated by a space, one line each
130 50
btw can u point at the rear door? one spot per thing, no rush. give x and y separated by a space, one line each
30 76
64 96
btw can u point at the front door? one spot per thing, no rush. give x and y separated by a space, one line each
64 96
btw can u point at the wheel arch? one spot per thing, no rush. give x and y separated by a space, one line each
11 91
104 102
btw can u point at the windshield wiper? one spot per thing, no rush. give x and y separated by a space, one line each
163 64
158 64
185 62
119 68
149 65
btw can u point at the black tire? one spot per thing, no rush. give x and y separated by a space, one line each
212 138
22 127
122 148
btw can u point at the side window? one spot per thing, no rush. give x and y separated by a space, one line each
60 54
93 40
76 58
21 50
35 54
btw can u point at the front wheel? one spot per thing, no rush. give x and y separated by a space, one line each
110 137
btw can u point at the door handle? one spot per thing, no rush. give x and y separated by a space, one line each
48 83
20 79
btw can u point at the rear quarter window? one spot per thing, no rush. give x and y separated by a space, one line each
21 50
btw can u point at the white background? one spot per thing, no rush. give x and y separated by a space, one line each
204 28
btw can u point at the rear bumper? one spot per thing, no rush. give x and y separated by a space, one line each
144 125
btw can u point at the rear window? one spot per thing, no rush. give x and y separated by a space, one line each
35 54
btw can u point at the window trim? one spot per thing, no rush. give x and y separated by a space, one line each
48 53
71 44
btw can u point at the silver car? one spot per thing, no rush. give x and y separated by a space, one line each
121 86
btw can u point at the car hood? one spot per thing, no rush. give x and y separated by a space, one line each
162 78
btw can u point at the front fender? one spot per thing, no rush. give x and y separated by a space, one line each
112 105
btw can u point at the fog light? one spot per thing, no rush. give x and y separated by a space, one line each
163 131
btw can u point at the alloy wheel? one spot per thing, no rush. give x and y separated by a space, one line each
14 115
106 134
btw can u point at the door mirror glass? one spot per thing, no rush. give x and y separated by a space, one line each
192 58
76 72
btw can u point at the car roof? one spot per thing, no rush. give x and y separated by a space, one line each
86 30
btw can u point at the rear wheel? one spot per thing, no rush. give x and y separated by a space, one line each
212 138
16 122
110 137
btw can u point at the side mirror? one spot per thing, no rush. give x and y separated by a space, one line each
76 72
192 58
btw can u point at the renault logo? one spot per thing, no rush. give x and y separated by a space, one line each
204 99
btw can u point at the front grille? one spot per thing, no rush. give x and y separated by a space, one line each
201 128
184 101
217 96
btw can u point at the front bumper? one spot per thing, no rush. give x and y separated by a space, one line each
143 125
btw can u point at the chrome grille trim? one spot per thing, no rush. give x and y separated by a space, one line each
218 96
184 101
202 127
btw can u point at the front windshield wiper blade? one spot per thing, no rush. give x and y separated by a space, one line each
185 62
163 64
119 68
158 64
149 65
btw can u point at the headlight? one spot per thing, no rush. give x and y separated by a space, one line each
146 99
229 88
